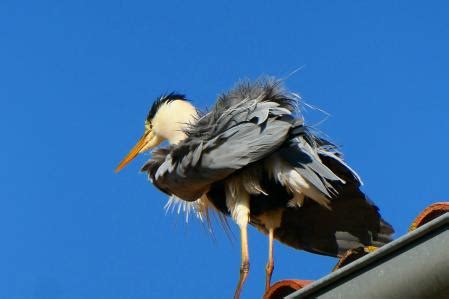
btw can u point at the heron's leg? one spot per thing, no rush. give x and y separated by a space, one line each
241 216
270 264
237 201
244 266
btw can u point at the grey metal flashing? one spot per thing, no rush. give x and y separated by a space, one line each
415 265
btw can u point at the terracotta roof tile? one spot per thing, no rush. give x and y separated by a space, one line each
430 213
285 287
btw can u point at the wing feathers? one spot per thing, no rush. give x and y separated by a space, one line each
238 133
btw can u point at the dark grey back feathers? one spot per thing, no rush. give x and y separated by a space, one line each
244 99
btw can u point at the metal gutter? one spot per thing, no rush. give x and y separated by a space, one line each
415 265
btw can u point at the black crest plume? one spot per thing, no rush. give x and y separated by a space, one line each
164 99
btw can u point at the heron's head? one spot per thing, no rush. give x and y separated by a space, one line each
168 117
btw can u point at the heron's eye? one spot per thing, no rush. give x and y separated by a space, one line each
148 125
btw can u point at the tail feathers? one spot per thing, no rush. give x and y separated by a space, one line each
363 237
347 240
351 221
384 235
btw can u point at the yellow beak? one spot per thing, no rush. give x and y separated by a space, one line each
148 141
134 151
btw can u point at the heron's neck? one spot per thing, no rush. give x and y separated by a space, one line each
173 118
176 137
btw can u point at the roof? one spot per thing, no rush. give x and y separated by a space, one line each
415 265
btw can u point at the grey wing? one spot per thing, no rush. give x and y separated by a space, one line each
301 157
243 134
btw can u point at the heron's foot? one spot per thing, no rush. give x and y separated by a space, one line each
269 271
244 270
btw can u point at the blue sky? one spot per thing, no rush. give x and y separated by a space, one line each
77 78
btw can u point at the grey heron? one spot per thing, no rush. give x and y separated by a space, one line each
253 159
